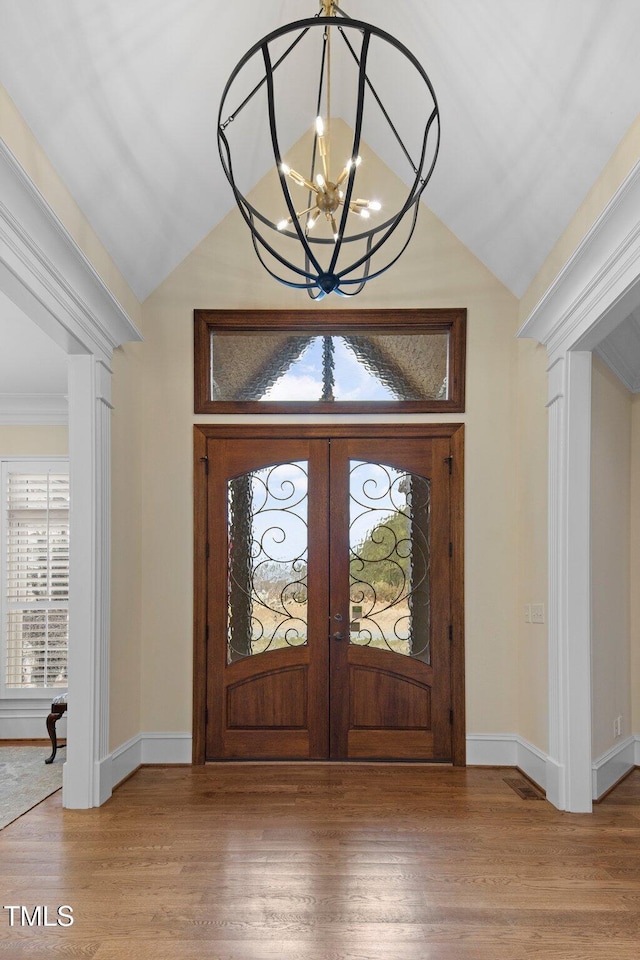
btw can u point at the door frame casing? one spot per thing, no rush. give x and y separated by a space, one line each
427 431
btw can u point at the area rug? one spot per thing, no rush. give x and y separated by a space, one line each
25 780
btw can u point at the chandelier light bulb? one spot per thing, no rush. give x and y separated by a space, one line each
320 126
375 205
283 224
321 181
286 169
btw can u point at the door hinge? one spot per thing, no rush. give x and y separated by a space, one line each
449 460
450 716
205 460
450 633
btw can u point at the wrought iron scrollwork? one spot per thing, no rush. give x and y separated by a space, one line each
267 560
389 564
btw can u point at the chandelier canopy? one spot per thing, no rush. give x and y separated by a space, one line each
330 208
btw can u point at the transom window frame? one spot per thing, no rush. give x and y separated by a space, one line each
451 321
20 464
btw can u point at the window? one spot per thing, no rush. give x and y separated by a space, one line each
34 576
337 361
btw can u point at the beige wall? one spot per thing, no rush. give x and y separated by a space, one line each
610 548
532 527
435 271
126 545
34 441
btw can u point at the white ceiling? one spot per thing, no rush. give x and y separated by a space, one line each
33 371
534 97
30 362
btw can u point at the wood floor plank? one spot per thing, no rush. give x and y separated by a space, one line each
326 862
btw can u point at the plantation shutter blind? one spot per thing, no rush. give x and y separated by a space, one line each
37 580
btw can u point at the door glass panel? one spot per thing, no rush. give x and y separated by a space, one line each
389 541
267 560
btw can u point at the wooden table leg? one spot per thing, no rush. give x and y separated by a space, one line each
51 730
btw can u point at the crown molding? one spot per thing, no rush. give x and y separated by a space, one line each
596 288
19 409
46 273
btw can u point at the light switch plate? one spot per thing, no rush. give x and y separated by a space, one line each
537 613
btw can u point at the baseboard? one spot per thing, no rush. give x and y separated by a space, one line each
26 720
484 749
148 748
125 759
507 750
613 765
532 762
492 750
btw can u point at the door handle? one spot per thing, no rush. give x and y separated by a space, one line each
338 636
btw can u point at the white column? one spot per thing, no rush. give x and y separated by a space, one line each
87 780
569 763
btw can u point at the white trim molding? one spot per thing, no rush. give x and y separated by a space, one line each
613 765
25 719
146 748
598 288
18 409
508 750
44 272
89 580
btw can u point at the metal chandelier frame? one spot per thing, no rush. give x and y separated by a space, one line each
308 273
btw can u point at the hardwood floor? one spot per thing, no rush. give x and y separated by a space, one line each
326 862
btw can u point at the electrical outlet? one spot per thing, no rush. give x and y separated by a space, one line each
527 613
537 613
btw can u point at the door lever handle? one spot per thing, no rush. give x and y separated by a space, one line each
338 636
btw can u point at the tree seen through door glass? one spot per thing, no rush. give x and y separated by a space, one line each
267 560
389 563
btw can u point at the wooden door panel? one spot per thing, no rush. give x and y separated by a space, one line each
273 700
267 675
385 700
390 745
391 674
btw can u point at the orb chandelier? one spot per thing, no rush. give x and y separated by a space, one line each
325 219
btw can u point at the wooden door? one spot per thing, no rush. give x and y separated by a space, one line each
390 667
328 600
267 598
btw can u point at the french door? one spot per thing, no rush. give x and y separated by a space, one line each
328 595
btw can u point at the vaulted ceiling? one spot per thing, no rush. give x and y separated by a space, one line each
534 97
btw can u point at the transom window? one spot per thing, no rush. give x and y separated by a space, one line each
338 361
